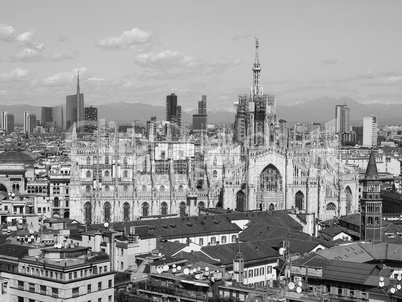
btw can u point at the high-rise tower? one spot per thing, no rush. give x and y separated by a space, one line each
342 116
75 108
371 204
369 131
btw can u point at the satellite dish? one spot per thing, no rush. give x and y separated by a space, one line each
197 277
392 290
179 268
159 270
206 273
106 225
174 270
206 268
194 270
399 278
186 271
291 286
174 265
381 278
198 269
399 287
299 284
298 290
165 268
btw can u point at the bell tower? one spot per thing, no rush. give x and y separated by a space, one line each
371 204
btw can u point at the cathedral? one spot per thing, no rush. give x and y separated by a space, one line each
261 165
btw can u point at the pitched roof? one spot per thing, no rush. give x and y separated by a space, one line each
351 272
252 250
14 250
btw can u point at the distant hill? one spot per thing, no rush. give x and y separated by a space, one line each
316 110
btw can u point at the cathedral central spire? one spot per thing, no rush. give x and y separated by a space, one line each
256 90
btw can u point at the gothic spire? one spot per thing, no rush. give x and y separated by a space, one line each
256 89
371 171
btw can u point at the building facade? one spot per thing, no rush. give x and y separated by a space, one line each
116 177
370 131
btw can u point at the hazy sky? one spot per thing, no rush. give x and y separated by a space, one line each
140 51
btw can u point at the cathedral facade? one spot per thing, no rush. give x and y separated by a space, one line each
261 166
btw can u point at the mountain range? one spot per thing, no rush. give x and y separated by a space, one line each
317 110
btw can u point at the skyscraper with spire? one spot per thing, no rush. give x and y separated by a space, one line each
75 109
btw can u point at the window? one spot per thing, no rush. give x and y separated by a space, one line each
89 288
256 272
70 276
261 271
110 299
213 240
223 239
88 174
76 291
234 238
32 287
250 273
145 209
105 268
20 285
125 174
99 285
201 241
269 270
106 160
99 299
55 292
75 275
110 283
107 173
88 160
215 174
164 208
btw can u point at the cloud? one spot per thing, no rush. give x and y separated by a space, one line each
25 39
170 64
330 62
130 39
7 33
62 38
241 37
27 55
64 54
16 75
65 78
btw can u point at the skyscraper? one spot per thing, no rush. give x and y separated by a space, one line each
91 119
47 116
58 118
342 113
369 131
7 122
202 105
173 115
3 120
75 109
26 122
200 119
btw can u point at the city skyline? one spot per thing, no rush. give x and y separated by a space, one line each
308 50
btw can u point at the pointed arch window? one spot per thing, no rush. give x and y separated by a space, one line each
164 208
125 188
88 213
145 209
126 211
125 174
182 209
88 160
107 173
125 161
88 189
88 174
106 160
107 212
